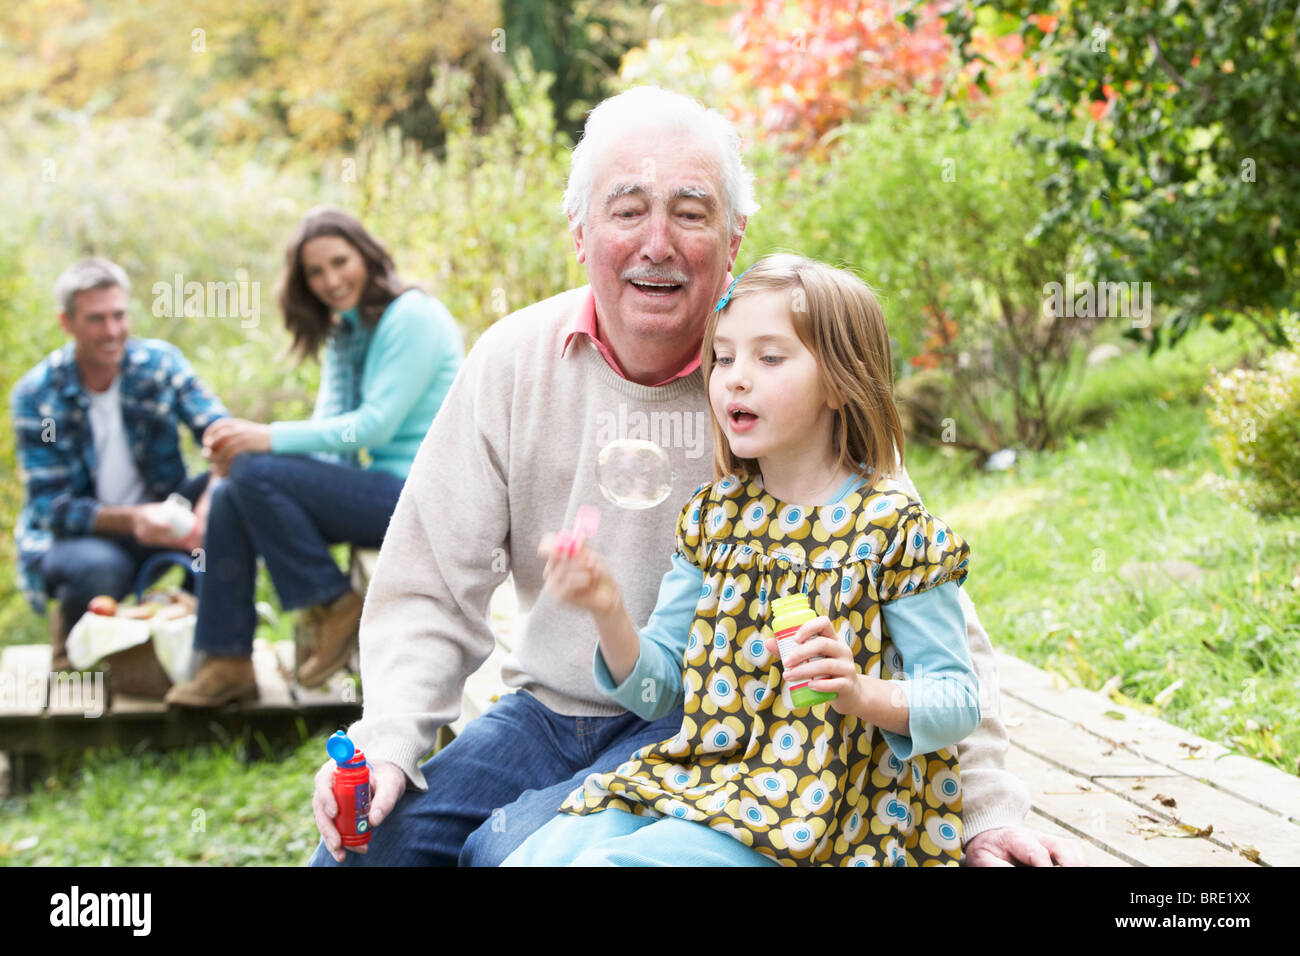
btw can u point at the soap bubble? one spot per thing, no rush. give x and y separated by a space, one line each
634 473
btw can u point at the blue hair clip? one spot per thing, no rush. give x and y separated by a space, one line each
726 296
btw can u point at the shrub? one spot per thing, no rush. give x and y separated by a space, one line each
1256 414
936 215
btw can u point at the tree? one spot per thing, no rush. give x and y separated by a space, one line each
1187 173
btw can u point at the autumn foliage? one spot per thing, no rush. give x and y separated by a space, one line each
809 66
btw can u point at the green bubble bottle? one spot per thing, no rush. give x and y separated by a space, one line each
788 615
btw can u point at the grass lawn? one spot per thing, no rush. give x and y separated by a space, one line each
1061 552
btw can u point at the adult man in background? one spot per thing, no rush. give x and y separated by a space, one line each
657 203
97 426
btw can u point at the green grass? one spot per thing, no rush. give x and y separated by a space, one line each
1049 539
205 806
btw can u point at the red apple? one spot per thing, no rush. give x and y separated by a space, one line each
103 604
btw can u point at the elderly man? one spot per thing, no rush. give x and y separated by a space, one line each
98 446
657 202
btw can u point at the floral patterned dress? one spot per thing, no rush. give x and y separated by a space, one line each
808 786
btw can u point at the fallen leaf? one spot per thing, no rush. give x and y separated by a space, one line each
1166 801
1249 852
1115 715
1190 748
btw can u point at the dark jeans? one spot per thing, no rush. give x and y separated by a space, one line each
289 510
499 781
78 569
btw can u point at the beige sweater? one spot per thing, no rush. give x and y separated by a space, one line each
509 457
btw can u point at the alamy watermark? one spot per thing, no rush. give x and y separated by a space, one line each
1098 300
688 430
238 298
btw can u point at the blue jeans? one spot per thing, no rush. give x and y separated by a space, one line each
78 569
499 781
289 510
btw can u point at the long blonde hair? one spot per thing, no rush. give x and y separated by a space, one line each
838 319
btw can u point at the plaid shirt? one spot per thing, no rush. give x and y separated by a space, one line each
56 450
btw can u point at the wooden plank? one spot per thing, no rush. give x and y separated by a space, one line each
1113 824
363 567
1155 740
503 612
272 690
1094 854
24 680
1198 804
482 688
1071 745
341 688
79 694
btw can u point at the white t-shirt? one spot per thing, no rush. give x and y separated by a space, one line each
117 480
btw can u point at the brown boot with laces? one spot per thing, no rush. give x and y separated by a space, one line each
220 680
336 626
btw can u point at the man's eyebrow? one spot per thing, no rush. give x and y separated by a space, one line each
642 189
627 189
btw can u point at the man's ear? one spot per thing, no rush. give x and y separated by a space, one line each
65 322
576 232
738 235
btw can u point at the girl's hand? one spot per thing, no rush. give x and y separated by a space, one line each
579 579
837 672
228 437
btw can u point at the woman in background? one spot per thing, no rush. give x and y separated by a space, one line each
295 488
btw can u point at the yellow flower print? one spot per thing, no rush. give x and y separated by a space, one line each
723 692
816 793
755 814
756 690
787 744
678 777
775 785
943 787
892 810
720 736
754 655
698 642
942 833
732 596
756 516
798 835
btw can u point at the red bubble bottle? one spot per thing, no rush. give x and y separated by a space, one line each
351 790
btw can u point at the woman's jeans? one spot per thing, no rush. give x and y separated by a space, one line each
289 510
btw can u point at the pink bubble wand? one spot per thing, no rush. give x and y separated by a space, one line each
585 524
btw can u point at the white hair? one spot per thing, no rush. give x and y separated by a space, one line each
84 275
652 108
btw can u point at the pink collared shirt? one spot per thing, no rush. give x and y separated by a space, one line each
586 324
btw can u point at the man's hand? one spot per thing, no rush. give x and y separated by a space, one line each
227 437
149 526
387 784
1011 846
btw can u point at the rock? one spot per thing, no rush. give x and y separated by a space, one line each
1104 353
1145 572
1001 460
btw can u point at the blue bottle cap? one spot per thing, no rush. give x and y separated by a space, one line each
340 748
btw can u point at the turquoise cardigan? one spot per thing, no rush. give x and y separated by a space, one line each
412 357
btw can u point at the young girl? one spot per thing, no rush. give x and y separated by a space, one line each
806 441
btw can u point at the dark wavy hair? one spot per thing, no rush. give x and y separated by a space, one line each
308 318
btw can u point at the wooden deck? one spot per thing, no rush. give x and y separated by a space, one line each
1135 790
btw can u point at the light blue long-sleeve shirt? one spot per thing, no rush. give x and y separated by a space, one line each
409 364
928 630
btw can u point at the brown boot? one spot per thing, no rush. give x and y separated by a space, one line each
58 640
220 680
336 628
